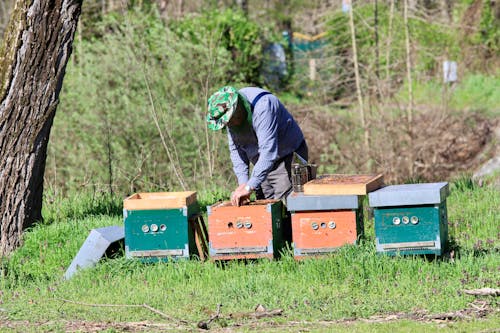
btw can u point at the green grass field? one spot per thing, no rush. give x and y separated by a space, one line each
353 290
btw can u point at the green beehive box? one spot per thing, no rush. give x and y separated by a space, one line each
411 219
157 225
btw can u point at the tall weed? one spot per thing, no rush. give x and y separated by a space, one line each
133 106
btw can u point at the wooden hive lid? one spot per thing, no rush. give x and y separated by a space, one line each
251 203
159 200
343 184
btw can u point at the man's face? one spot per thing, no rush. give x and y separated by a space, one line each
238 116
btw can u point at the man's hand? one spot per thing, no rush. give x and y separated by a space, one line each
240 194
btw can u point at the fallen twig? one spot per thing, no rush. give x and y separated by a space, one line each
204 325
381 319
162 314
483 292
257 314
446 316
150 308
265 314
260 312
480 306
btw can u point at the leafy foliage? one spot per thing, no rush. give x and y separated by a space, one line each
430 42
134 96
490 29
233 31
133 106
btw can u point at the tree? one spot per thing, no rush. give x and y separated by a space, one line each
36 47
5 7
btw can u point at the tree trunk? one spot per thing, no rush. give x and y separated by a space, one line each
162 8
33 59
377 50
243 5
5 9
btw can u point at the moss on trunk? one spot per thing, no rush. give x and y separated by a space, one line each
10 44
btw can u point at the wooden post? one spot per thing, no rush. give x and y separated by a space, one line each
377 49
388 46
358 85
312 69
409 109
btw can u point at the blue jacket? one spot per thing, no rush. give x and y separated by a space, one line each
273 135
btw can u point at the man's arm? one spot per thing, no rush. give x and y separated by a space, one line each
239 160
266 128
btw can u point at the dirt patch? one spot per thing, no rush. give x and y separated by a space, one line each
447 146
89 326
477 310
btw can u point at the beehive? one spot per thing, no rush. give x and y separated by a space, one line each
323 223
256 230
157 225
411 219
343 184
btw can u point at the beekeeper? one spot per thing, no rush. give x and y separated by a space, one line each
260 131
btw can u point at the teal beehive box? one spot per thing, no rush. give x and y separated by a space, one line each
157 225
411 219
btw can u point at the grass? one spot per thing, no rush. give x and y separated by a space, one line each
478 92
474 220
475 92
330 293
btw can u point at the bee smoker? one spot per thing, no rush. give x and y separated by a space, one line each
301 174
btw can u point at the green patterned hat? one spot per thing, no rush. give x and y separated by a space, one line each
221 107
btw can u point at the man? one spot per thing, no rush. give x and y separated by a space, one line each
260 131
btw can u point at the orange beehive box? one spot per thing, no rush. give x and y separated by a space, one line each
321 232
323 223
256 230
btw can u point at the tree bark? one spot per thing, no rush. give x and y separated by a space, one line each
33 58
162 8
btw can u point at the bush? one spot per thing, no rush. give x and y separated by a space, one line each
430 41
231 31
133 106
